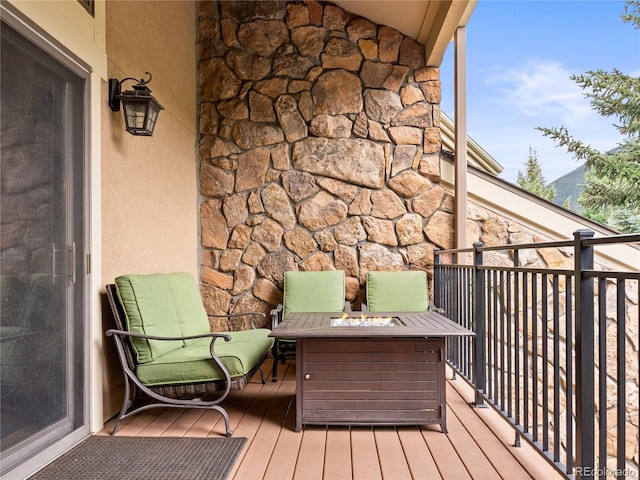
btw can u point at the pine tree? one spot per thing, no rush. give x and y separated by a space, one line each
611 191
532 179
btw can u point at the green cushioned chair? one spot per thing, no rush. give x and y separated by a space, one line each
168 353
404 291
307 292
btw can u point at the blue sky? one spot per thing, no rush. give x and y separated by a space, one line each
520 55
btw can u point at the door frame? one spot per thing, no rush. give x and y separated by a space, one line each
92 378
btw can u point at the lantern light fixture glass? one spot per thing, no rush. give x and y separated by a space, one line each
140 108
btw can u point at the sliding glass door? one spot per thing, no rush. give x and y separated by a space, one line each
42 248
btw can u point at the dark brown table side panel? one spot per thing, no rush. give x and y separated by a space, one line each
371 381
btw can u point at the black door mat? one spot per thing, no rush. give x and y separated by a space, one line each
149 458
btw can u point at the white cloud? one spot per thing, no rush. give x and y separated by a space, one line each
540 88
509 145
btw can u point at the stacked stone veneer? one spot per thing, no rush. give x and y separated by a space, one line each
319 149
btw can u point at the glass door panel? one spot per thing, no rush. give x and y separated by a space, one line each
41 248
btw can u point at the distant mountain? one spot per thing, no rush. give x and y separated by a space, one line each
569 186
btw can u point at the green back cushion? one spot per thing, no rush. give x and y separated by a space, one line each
404 291
192 317
313 292
167 305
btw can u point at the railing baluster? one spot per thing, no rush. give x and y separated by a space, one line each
516 349
449 271
602 372
437 281
502 340
468 312
455 311
468 342
534 354
509 349
556 369
445 291
490 321
489 340
494 366
622 375
569 369
525 356
544 331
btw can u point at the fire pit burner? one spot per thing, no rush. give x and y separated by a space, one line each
366 322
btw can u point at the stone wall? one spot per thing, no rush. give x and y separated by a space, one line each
319 149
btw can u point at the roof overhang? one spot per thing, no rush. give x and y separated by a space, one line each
430 22
476 155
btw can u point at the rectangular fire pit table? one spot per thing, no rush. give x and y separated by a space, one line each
376 369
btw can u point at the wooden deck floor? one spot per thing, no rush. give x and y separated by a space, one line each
478 445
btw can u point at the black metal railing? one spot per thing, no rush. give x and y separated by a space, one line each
551 346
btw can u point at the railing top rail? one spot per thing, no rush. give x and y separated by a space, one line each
536 270
526 246
627 275
611 274
515 246
439 251
627 238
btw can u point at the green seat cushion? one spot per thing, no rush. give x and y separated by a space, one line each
313 292
405 291
167 305
193 363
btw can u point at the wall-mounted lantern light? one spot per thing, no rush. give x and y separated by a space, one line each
139 106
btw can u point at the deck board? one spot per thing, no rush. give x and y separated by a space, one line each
207 422
444 455
162 423
419 458
392 460
364 458
337 457
479 443
183 423
502 461
310 463
282 463
470 453
274 397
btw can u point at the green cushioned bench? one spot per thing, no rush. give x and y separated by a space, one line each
167 351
